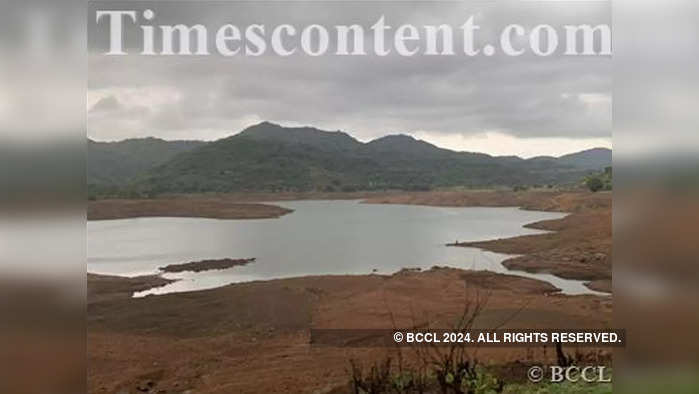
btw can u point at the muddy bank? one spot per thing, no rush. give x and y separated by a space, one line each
206 265
293 196
212 208
107 287
601 285
578 247
233 338
557 201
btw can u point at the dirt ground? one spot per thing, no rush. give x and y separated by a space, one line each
254 337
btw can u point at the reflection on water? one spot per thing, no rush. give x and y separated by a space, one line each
319 238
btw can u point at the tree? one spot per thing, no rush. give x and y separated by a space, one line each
594 184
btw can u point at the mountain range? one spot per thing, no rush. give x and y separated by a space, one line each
270 157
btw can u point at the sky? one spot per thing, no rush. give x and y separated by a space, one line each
526 106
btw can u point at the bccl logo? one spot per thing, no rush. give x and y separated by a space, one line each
554 373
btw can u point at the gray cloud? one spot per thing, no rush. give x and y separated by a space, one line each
106 104
368 96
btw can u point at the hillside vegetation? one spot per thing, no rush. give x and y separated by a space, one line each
268 157
112 165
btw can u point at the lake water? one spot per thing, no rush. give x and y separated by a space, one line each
318 238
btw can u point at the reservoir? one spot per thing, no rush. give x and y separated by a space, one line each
318 238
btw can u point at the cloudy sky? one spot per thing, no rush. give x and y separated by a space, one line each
500 105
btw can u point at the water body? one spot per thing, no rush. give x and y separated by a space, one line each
318 238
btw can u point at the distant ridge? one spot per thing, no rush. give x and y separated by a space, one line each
588 159
270 157
117 163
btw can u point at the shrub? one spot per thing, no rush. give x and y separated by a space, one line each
594 184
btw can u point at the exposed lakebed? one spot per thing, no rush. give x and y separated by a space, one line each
318 238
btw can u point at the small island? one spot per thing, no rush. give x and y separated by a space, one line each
206 265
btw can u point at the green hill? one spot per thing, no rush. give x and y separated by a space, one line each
269 157
117 163
588 159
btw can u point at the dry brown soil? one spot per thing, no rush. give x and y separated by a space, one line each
254 337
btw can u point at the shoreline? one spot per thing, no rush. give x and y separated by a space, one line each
104 287
210 208
575 247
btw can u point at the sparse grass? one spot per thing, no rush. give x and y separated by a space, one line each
380 379
454 369
679 381
558 388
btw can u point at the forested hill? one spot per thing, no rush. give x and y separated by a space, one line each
118 163
269 157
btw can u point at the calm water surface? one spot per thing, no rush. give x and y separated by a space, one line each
319 238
